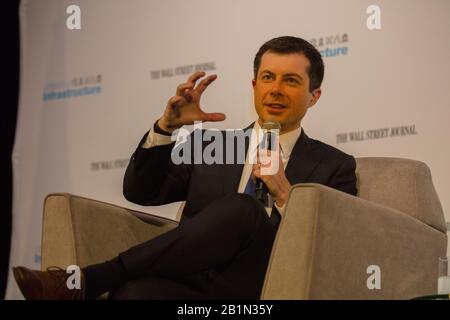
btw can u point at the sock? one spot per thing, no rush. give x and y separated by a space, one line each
103 277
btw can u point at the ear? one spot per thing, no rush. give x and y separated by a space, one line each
253 83
315 95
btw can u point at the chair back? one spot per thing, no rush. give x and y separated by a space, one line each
401 184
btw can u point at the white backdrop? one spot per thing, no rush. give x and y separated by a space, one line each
87 96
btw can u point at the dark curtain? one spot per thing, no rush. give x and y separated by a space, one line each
9 101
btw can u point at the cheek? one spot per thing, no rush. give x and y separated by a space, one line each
256 93
299 105
261 91
257 97
301 99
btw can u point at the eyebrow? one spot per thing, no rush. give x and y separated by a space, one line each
292 74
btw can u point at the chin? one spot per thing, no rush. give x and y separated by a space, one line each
265 116
274 117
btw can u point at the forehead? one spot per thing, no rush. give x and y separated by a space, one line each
285 63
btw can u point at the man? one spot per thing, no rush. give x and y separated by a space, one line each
223 243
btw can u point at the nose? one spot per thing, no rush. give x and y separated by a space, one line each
275 90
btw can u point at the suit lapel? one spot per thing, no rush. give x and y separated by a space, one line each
233 172
303 160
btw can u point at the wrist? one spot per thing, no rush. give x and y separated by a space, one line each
280 202
161 128
283 196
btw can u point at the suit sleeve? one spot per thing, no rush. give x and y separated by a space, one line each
151 177
344 178
275 216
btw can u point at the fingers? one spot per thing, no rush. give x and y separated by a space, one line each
264 157
174 100
195 76
205 83
270 161
256 172
190 83
214 116
184 88
187 93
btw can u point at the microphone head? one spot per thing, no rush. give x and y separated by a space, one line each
271 130
271 125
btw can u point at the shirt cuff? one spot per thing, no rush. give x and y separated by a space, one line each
280 209
155 139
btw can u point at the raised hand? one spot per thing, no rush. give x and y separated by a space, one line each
184 108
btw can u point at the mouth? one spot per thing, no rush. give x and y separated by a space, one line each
275 106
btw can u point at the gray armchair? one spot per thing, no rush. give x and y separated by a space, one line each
324 245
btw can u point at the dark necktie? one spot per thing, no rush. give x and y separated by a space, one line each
250 188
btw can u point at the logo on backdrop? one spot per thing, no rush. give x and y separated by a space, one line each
109 164
374 134
78 86
37 254
331 46
182 70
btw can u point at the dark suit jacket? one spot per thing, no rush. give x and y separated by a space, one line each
153 179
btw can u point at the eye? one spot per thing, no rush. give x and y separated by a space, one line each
266 77
291 80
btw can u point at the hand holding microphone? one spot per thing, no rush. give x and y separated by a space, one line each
270 130
269 176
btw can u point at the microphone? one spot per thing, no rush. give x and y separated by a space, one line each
270 130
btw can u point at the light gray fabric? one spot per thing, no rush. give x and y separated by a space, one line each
82 231
402 184
327 240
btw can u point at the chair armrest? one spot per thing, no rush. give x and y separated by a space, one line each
327 239
83 231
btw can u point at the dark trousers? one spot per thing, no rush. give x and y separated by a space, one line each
221 253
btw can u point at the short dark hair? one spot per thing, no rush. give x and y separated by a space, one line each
288 45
